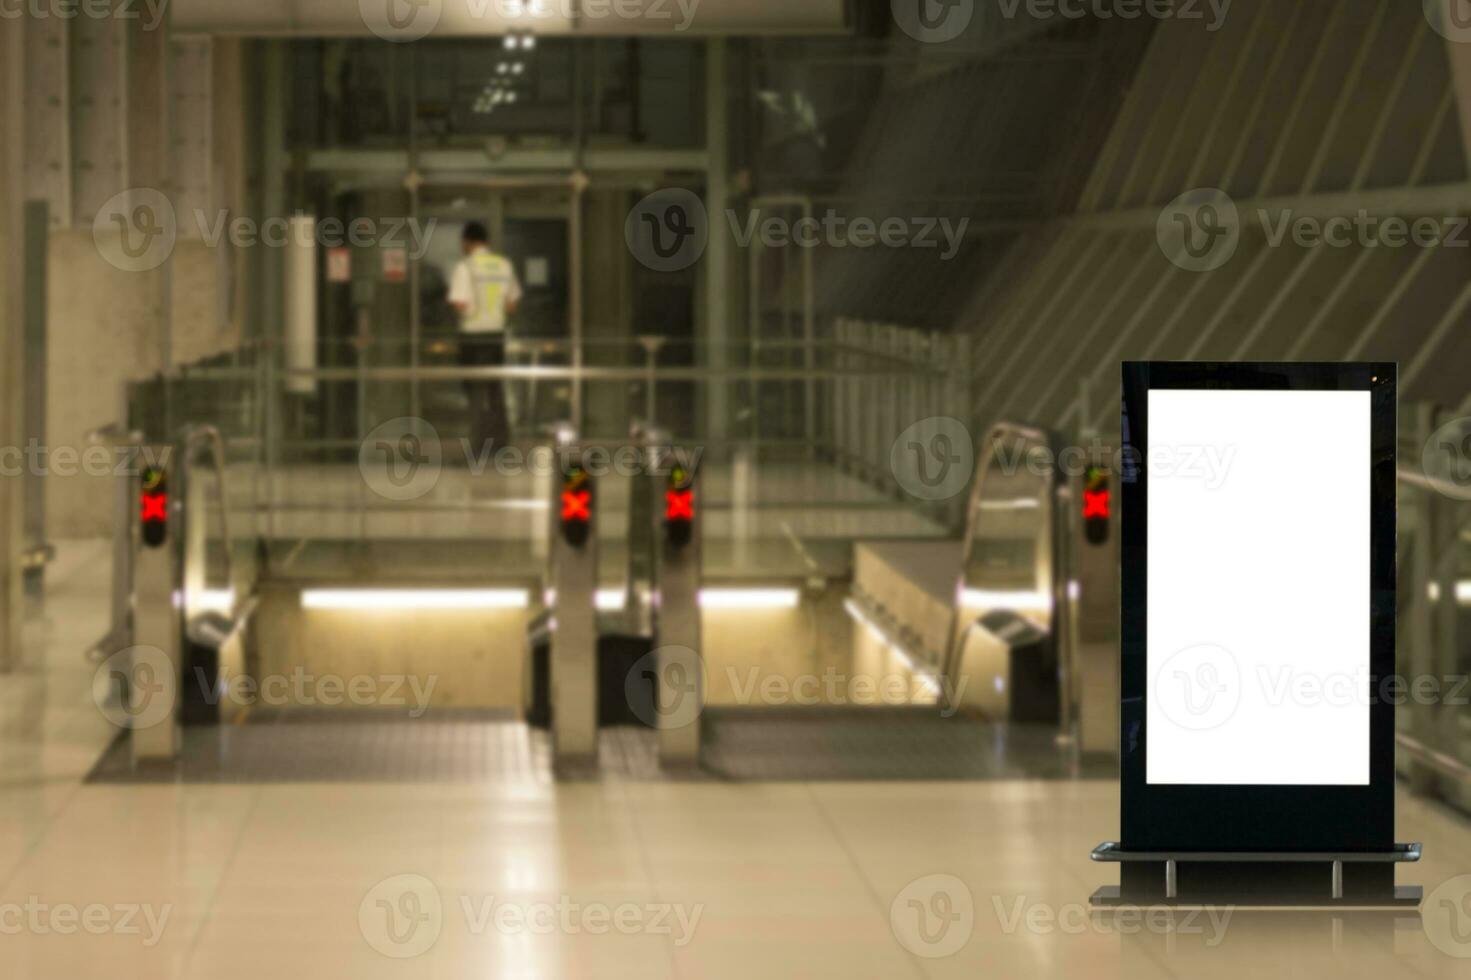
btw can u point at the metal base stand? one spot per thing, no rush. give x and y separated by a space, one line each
1269 879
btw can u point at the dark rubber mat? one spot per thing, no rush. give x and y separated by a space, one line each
883 743
488 746
457 746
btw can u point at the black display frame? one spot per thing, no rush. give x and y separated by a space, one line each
1255 817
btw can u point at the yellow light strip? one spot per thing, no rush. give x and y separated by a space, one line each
400 599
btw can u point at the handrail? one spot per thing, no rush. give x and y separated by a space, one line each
568 372
195 436
1424 481
114 435
1442 763
986 464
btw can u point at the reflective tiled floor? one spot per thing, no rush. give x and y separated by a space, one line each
611 878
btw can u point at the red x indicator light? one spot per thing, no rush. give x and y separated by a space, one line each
576 505
155 507
679 505
1096 505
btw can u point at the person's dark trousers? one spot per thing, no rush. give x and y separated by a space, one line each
489 427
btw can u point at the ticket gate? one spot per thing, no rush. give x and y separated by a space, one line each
679 665
1092 651
171 632
561 675
653 672
622 664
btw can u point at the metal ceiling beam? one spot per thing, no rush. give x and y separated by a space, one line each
1431 199
594 160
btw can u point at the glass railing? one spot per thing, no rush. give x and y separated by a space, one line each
1434 613
367 464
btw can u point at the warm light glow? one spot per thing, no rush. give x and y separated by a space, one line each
1004 599
395 599
856 612
749 598
609 600
923 673
216 600
1463 592
1016 503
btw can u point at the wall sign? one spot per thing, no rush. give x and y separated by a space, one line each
395 264
339 265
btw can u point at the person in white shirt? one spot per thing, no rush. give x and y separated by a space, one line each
485 292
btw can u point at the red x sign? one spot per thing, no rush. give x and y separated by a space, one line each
679 505
576 505
155 507
1095 503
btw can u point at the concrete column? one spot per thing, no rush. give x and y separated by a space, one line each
12 180
718 252
150 149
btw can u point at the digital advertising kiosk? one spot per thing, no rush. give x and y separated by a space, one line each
1257 637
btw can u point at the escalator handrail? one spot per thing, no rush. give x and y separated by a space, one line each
986 463
195 437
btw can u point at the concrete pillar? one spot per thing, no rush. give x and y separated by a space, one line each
150 149
718 251
12 180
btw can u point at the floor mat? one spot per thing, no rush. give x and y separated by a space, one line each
457 746
888 743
